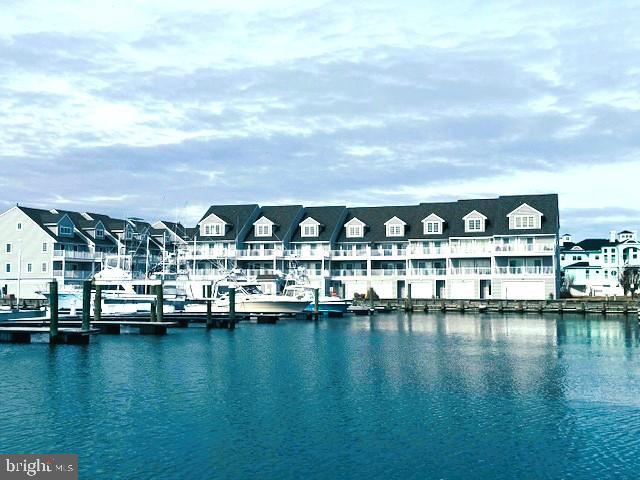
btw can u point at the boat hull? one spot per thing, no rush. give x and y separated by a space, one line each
329 307
253 306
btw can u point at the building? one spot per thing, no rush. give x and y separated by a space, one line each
503 248
38 246
594 266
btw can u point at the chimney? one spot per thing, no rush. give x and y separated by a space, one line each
612 236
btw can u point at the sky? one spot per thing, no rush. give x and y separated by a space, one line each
158 109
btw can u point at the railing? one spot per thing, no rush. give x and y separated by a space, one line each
259 253
349 273
485 250
525 247
318 252
388 252
73 274
524 270
429 251
349 253
471 271
74 255
428 272
383 272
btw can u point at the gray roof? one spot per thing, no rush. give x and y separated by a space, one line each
495 209
236 216
589 244
283 218
330 219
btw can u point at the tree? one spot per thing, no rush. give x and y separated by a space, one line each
567 282
630 279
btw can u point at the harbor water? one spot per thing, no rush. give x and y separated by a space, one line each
392 396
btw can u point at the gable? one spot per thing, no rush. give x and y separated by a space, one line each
525 209
263 221
433 218
355 222
213 218
309 221
473 215
395 221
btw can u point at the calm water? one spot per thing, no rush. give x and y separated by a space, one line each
396 396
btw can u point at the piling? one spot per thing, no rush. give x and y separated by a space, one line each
232 308
409 306
316 301
371 302
86 305
53 308
97 304
152 312
160 302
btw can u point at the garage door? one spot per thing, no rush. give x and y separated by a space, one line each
462 289
422 289
525 290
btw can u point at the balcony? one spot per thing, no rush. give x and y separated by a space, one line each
470 251
349 253
349 273
401 252
433 251
74 255
247 253
525 248
523 271
470 271
428 272
73 274
307 253
384 272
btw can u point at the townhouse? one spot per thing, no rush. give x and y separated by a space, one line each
39 245
502 248
594 266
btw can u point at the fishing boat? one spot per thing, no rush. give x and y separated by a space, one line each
297 285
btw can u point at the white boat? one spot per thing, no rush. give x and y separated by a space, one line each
297 285
249 299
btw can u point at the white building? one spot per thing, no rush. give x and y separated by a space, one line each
594 266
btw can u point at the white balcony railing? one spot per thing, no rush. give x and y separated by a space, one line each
468 250
316 253
428 272
349 273
470 271
384 272
259 253
429 251
349 253
525 248
523 270
73 274
74 255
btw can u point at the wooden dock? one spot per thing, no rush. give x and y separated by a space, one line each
22 334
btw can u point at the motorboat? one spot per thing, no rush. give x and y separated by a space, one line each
297 285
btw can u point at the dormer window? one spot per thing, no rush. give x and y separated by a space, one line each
432 225
525 217
128 234
309 227
395 227
19 226
474 222
263 227
65 231
354 228
214 229
99 232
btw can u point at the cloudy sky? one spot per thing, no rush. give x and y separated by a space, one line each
159 108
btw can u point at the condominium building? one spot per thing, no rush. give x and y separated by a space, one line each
594 266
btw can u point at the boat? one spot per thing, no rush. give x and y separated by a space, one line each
297 285
249 298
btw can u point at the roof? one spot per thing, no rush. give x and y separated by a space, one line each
46 218
495 209
283 218
329 218
589 244
235 216
581 265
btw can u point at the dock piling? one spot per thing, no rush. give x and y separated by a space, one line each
316 301
160 302
86 305
53 309
97 304
232 308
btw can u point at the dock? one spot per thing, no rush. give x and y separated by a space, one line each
23 334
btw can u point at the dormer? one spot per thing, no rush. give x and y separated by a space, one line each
432 225
213 226
263 227
65 227
128 232
99 230
309 228
566 238
354 228
474 222
525 217
395 227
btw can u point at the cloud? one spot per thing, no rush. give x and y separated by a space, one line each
170 107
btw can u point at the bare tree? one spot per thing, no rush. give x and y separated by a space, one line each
630 279
567 283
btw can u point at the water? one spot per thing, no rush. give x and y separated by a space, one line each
396 396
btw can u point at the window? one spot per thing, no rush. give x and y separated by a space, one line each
432 227
606 258
474 225
309 231
67 231
395 230
7 248
19 226
613 273
214 229
44 267
525 221
586 273
561 257
29 267
606 274
263 230
44 247
99 233
7 267
128 234
354 231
